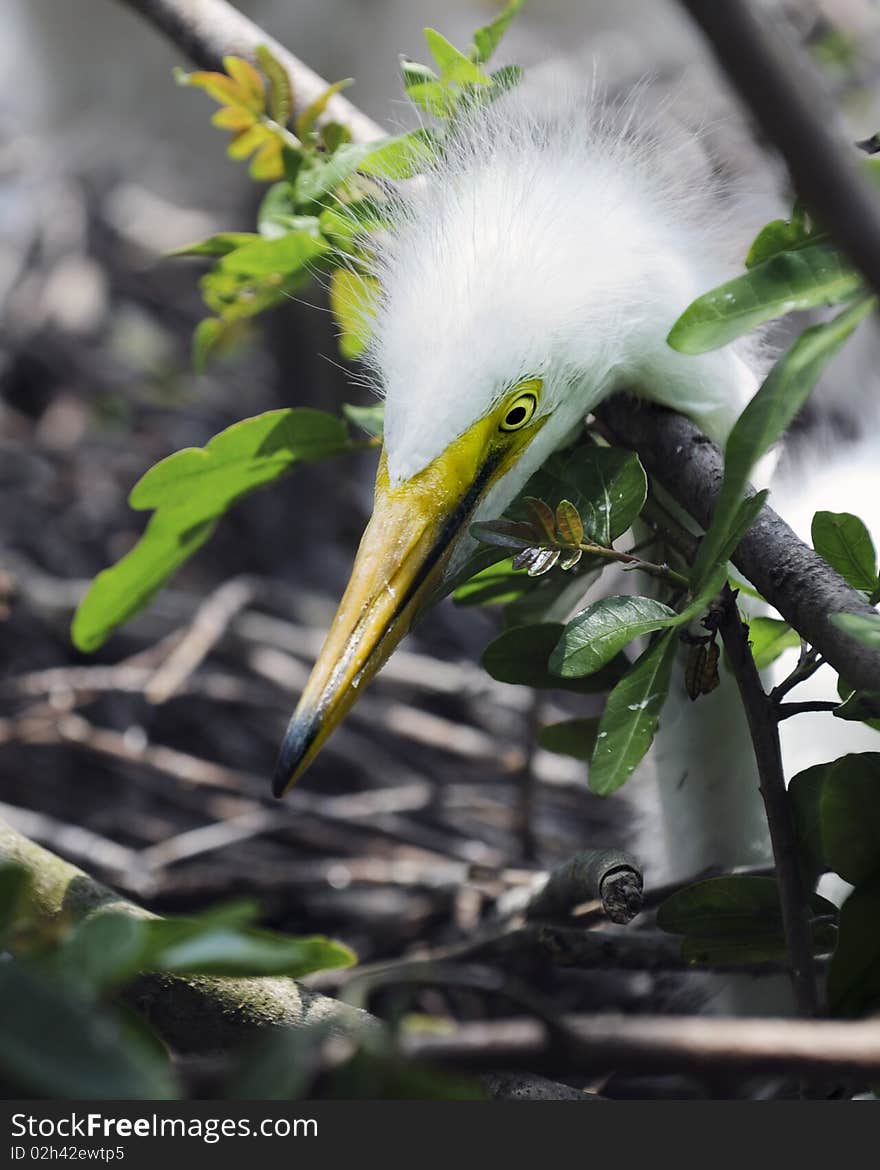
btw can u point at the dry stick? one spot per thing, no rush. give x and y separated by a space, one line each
787 572
209 30
192 1013
683 1044
764 729
792 108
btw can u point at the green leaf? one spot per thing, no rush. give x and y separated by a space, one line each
433 97
574 737
630 718
858 706
453 65
845 543
188 948
769 637
400 157
277 215
520 655
209 337
370 419
218 245
849 812
783 235
805 795
53 1045
190 491
854 976
281 256
723 907
353 301
597 634
804 279
321 174
488 38
307 120
280 90
863 627
568 523
496 584
765 419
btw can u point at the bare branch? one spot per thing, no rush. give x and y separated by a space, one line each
793 578
209 30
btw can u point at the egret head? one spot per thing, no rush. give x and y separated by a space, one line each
539 266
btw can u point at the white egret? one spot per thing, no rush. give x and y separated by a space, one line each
537 270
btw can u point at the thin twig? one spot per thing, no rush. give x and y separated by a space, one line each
786 710
764 731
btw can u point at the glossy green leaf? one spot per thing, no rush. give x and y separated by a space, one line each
183 948
765 419
804 279
849 811
770 637
630 718
190 491
614 484
854 976
805 795
783 235
573 737
488 38
597 634
496 584
723 907
520 655
845 543
288 253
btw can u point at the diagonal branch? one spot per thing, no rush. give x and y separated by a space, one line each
208 30
792 577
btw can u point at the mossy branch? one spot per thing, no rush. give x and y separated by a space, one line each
192 1014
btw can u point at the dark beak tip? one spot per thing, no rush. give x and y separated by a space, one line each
298 738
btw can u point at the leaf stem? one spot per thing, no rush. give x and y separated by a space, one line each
664 572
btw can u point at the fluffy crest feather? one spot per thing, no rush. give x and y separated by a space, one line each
557 238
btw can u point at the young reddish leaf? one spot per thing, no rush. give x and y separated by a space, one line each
568 523
542 518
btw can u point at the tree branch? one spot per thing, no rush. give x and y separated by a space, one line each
798 118
792 577
193 1014
208 30
816 1048
764 730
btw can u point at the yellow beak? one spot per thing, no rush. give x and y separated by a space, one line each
400 562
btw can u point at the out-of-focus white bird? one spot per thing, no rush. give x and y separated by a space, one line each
538 269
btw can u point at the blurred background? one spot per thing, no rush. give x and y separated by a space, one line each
430 802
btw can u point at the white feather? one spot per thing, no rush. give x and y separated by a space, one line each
561 244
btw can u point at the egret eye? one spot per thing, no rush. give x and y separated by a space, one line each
519 412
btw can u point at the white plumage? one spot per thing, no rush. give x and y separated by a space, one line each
559 244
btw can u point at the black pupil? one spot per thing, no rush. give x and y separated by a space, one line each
516 416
